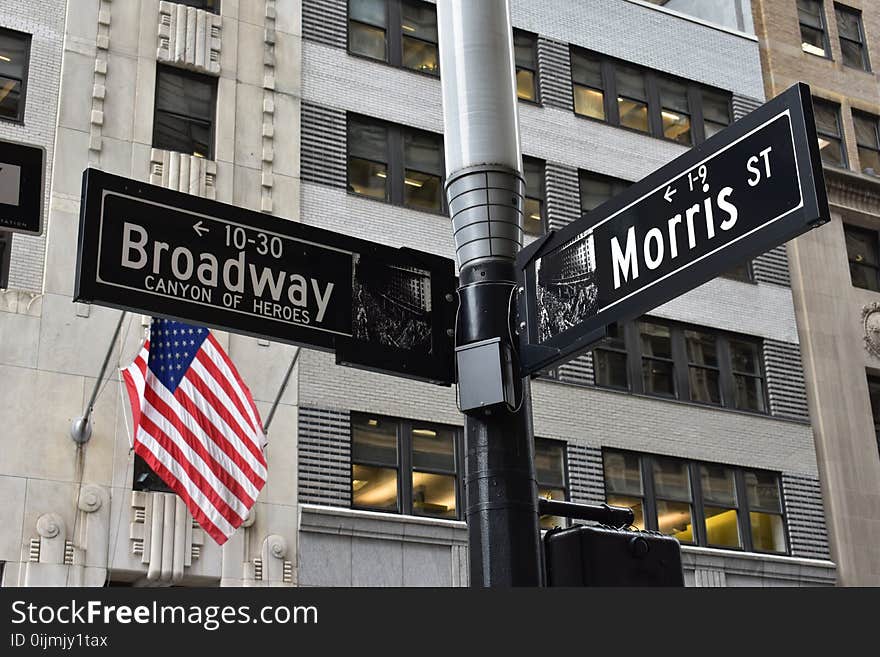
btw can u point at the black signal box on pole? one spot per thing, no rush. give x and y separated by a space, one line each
604 556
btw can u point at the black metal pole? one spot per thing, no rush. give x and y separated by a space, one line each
501 487
485 191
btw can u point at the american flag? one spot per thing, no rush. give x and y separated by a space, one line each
196 426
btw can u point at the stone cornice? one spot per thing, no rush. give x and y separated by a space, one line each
852 191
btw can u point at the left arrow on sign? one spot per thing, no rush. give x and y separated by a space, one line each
200 230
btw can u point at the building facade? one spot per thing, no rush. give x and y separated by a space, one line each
199 96
835 48
696 415
329 112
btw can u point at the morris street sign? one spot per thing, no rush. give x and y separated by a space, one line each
153 250
21 187
755 185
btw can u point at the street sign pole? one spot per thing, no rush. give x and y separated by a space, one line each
485 191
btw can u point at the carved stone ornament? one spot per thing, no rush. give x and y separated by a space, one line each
49 525
90 499
871 324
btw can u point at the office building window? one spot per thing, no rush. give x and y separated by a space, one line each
400 32
624 483
212 6
588 85
533 215
525 48
698 503
742 272
5 257
766 516
748 378
814 35
185 110
717 112
675 112
658 366
694 364
595 189
394 163
646 101
145 479
852 37
632 99
828 130
550 470
704 373
874 393
14 53
404 466
868 140
863 252
610 360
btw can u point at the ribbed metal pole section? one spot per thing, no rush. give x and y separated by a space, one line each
485 191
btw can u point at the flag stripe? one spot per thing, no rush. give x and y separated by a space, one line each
215 458
196 425
214 395
209 370
223 362
164 433
164 465
216 436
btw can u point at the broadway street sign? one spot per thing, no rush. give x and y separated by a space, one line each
755 185
153 250
21 187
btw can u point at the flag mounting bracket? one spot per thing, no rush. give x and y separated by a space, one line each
81 428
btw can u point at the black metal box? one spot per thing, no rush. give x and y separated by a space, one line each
603 556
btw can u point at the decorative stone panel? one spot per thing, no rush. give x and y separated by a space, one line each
183 173
267 179
189 38
164 535
99 88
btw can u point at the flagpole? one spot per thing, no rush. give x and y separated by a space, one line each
81 429
281 391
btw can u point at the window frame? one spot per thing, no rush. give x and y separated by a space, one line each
535 71
395 164
652 81
192 3
830 104
875 147
5 258
826 38
542 191
25 74
404 465
212 84
393 36
698 501
599 177
874 380
862 43
749 277
566 483
875 239
634 358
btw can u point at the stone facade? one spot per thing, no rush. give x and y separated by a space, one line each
831 312
69 515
